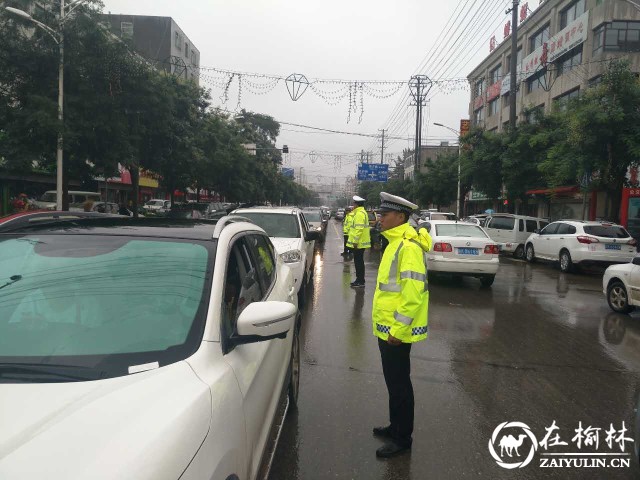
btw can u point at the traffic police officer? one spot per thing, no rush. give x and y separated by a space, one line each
359 239
347 223
400 310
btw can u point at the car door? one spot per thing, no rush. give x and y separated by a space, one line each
309 245
544 243
259 367
562 238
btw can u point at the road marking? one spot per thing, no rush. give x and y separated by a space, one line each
336 230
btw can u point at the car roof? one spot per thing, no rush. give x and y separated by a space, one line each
589 223
122 226
285 210
450 222
513 215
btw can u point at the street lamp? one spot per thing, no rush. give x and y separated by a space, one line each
459 160
58 37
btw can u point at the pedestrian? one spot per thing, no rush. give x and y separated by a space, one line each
400 311
347 223
359 239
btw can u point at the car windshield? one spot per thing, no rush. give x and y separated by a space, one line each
155 202
278 225
48 197
105 303
312 215
606 231
459 230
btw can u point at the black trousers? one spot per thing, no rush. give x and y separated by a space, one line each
396 366
345 249
358 260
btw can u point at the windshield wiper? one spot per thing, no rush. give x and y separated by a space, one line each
61 372
13 279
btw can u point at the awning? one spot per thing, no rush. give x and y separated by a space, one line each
554 191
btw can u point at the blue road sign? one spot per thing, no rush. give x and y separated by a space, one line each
373 172
287 172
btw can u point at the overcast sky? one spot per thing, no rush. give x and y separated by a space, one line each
353 40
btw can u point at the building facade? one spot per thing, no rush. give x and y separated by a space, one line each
159 40
563 48
427 153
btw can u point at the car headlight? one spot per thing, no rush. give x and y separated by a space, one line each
291 256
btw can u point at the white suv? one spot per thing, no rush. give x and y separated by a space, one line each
293 238
170 345
576 242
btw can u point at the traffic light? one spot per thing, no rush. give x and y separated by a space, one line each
285 149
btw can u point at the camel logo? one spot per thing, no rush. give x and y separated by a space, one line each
510 445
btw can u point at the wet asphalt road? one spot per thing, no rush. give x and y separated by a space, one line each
537 346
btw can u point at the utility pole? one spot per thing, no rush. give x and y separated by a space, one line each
419 85
382 151
513 64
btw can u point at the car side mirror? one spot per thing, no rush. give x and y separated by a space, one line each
636 261
262 321
311 235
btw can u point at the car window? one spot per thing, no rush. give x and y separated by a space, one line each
566 229
532 226
550 229
312 216
543 224
265 260
305 224
242 286
114 298
278 225
459 230
502 223
521 225
606 231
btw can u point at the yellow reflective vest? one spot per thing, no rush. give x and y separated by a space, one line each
347 223
359 235
401 301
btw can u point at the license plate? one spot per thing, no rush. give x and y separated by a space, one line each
609 246
467 251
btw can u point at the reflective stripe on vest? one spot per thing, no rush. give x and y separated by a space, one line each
393 286
402 318
414 331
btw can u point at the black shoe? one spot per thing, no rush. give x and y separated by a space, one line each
357 284
384 432
393 448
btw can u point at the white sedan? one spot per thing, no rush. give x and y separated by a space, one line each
132 349
462 249
621 286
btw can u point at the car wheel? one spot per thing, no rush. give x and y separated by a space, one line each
617 297
294 367
487 280
519 253
530 254
566 265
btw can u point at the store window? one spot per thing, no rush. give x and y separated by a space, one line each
538 38
617 37
572 12
569 60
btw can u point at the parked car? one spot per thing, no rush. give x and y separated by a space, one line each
77 200
112 208
479 220
621 286
293 238
340 214
431 215
157 206
316 221
170 345
462 249
576 242
512 231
